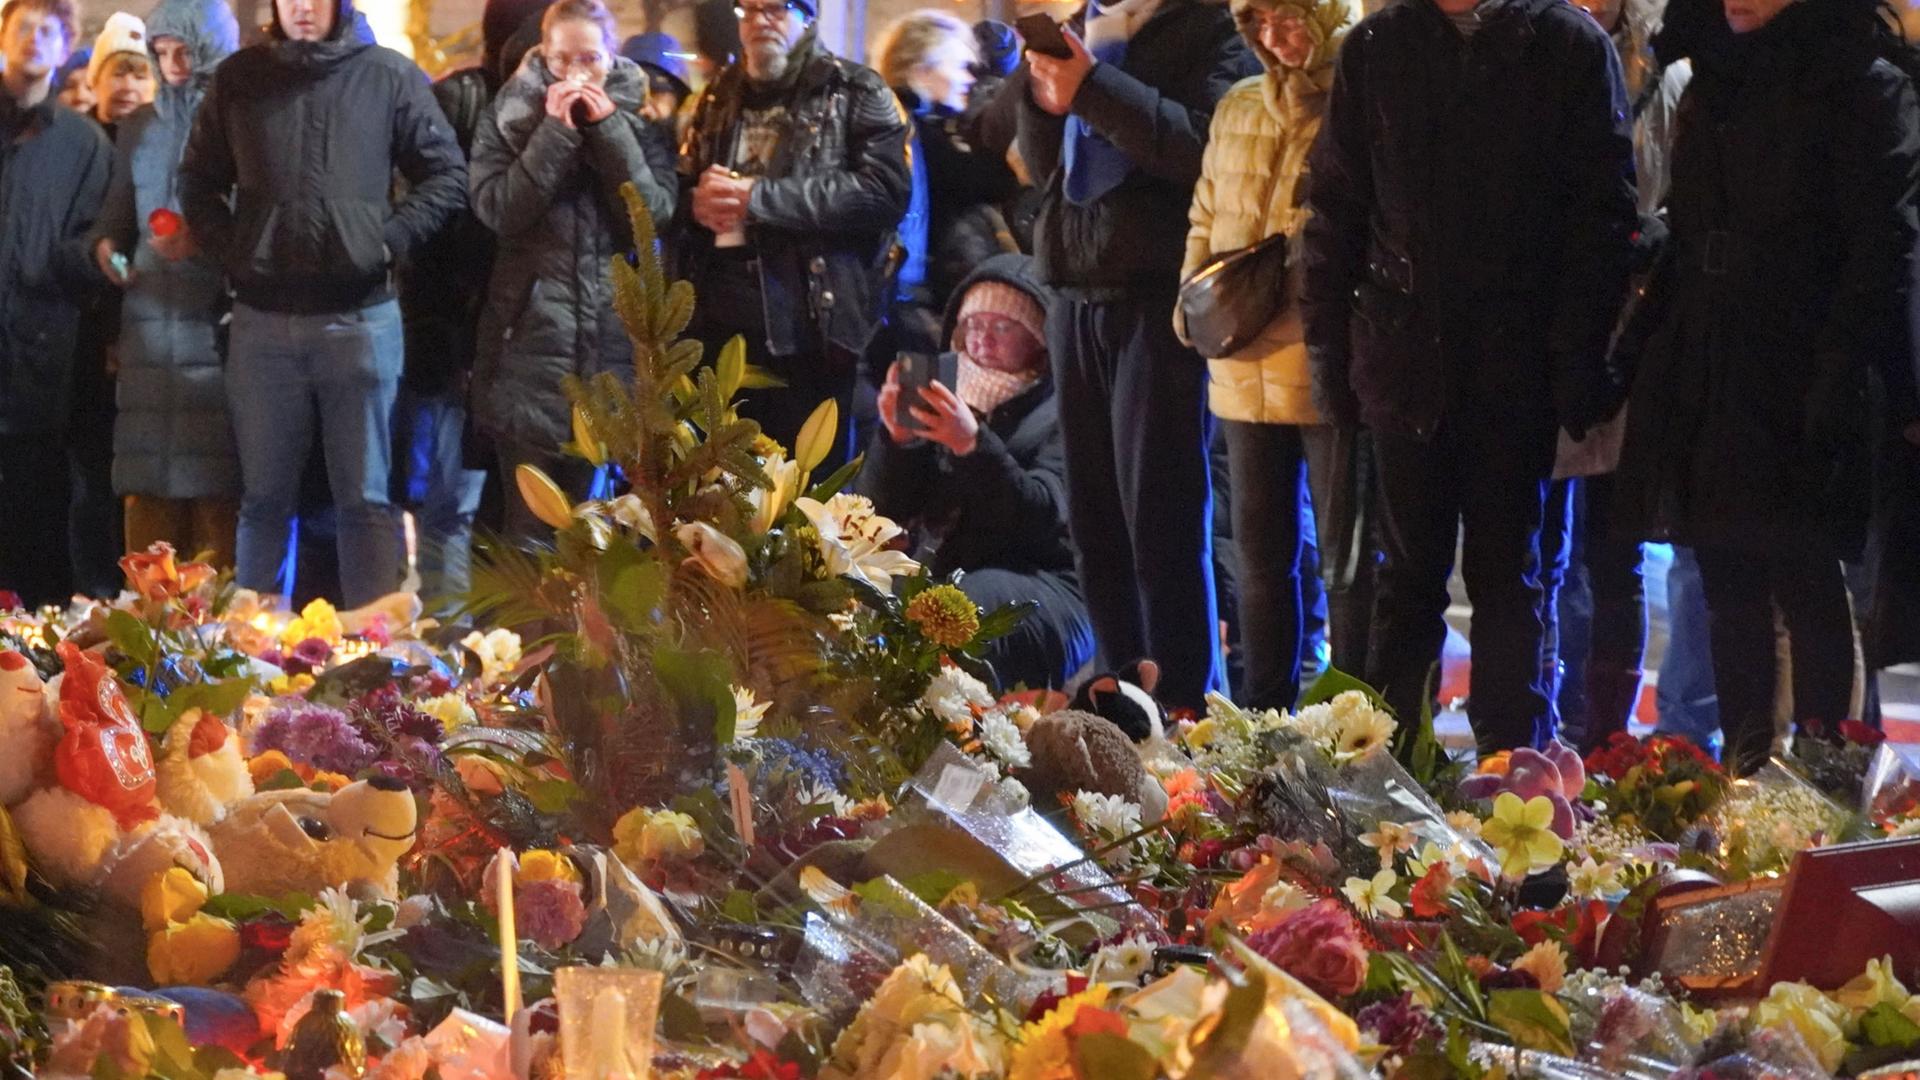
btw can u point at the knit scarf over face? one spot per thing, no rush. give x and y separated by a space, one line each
985 389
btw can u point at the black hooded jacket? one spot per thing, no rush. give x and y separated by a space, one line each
288 173
1473 209
1005 504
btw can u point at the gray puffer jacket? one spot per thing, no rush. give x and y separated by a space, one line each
552 193
172 438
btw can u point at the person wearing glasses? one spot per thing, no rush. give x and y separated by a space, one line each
978 473
794 178
559 141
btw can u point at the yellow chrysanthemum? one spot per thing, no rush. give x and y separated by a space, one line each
1044 1052
946 615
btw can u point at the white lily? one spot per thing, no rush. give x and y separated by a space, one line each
714 552
854 539
770 503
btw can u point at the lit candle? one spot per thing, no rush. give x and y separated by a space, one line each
509 938
610 1036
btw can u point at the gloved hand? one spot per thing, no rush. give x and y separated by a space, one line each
1584 395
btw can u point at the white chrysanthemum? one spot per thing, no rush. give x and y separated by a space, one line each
812 793
498 650
1591 880
452 710
1124 962
953 695
1315 722
1002 739
1108 815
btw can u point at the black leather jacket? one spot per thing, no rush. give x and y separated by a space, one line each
823 220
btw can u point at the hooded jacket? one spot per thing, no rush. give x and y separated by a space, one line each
172 438
1793 228
824 220
1472 214
288 173
54 166
1005 504
1253 186
1154 107
552 194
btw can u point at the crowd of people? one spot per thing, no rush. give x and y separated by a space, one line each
1217 331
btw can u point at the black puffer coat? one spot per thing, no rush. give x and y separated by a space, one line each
288 173
1793 227
823 220
1473 207
552 193
1005 504
54 165
1154 106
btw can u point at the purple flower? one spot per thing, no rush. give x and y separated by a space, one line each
550 912
312 652
314 735
1398 1023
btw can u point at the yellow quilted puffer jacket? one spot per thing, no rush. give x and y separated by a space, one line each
1252 187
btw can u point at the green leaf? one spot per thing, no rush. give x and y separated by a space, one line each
841 477
1002 620
731 366
680 1021
1112 1057
284 780
1533 1019
220 699
632 584
1884 1025
238 906
552 796
701 683
133 637
934 885
739 907
1332 683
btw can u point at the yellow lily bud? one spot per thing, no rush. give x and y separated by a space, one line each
816 435
543 496
589 447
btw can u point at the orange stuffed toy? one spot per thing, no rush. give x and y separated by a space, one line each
104 756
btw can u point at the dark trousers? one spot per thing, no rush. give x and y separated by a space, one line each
1490 482
1133 417
1340 471
33 544
1051 643
1743 588
1595 612
731 305
94 524
1267 471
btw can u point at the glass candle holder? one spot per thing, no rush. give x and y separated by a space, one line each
607 1018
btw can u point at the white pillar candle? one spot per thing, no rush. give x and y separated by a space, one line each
509 937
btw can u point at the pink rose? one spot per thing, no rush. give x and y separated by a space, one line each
1321 946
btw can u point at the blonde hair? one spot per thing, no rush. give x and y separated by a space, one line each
909 41
593 11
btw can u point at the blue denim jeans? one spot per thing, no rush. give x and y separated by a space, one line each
443 494
1689 704
287 375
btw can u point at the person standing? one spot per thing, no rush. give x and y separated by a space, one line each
1752 360
286 182
1252 187
122 78
1114 133
1467 253
54 168
174 461
548 163
794 178
443 290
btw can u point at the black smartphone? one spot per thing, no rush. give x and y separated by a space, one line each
1042 35
917 371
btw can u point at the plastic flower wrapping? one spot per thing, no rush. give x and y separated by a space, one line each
723 739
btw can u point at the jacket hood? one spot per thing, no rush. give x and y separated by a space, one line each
1008 269
1326 20
211 34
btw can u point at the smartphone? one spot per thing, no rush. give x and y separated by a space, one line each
917 371
1042 35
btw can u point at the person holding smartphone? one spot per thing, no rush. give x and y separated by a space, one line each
978 472
564 134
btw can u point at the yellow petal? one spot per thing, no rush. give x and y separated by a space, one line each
816 435
1507 807
589 447
543 496
170 897
1539 812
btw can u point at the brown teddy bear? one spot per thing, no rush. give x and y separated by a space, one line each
1078 751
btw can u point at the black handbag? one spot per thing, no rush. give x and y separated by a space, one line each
1229 301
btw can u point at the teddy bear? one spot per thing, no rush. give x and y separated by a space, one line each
200 771
1125 697
82 789
278 842
1074 751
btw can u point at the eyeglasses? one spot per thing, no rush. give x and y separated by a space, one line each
768 12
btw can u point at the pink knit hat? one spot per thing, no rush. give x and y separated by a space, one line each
1000 298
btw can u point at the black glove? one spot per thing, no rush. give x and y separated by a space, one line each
1584 395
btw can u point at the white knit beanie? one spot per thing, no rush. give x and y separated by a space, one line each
124 33
1000 298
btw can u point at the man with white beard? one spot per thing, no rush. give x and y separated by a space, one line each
794 178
